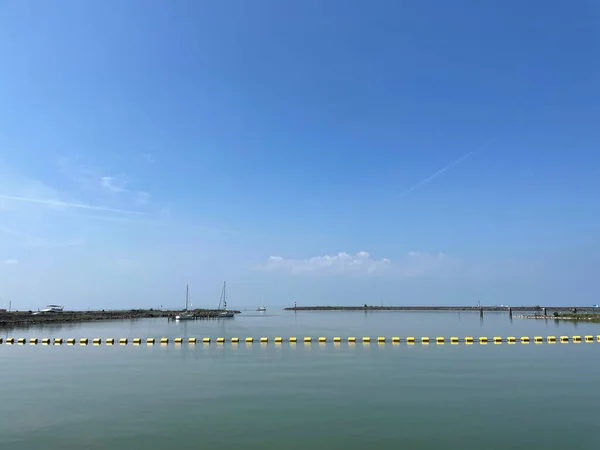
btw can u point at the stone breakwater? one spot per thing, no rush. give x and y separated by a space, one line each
590 317
20 318
521 308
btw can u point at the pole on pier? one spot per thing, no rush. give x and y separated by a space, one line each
480 312
545 311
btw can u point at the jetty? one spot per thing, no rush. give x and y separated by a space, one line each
25 318
528 308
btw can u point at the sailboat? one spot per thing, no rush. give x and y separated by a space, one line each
186 315
262 308
224 312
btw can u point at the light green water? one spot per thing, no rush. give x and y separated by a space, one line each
319 396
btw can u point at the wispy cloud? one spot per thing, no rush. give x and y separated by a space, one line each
11 262
141 197
447 167
68 205
412 264
433 176
95 180
113 184
343 262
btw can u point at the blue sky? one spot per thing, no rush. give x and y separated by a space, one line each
320 152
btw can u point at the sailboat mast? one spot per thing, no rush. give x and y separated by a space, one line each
224 301
187 296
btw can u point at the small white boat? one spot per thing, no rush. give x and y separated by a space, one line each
262 308
186 315
52 309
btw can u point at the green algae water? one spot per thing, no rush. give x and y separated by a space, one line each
301 396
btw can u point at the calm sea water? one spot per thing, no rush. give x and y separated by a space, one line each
318 396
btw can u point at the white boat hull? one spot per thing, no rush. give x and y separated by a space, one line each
184 317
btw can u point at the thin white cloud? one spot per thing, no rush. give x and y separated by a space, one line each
141 197
343 262
94 180
431 177
413 264
447 167
11 261
58 203
113 184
